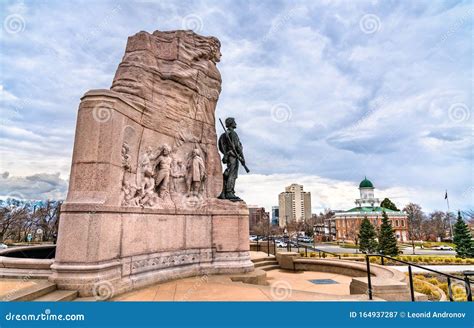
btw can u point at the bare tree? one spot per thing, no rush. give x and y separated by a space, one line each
13 213
18 219
416 217
436 226
48 218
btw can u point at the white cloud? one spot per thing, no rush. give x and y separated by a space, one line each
374 104
263 190
37 187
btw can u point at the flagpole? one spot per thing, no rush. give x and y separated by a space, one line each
449 218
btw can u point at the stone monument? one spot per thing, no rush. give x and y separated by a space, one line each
142 203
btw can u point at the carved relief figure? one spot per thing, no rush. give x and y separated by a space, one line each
129 191
178 174
129 194
196 172
163 170
126 157
145 180
157 172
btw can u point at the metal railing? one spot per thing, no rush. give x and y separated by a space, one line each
271 244
326 252
466 280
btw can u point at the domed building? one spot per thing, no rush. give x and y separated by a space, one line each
348 222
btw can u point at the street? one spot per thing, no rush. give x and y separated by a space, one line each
440 268
406 250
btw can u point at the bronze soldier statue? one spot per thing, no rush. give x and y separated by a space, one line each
231 148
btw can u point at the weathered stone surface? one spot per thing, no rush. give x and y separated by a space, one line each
164 94
141 205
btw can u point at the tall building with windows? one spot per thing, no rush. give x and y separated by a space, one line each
294 205
275 215
257 218
348 222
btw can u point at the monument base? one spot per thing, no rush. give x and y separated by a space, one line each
106 250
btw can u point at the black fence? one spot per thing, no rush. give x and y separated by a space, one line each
466 280
270 247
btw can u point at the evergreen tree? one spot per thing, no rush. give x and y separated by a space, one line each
387 239
367 235
462 238
387 203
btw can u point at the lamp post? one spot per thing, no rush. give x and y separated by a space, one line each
268 235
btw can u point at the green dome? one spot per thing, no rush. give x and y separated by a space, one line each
366 184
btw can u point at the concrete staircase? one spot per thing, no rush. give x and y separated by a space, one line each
266 263
44 292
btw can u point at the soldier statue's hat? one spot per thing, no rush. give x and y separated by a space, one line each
229 121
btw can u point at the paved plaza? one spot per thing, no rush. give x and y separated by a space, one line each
283 286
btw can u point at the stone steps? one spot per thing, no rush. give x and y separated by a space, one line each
85 299
270 267
58 296
31 293
263 259
265 263
43 292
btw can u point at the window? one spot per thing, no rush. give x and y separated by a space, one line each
403 223
397 223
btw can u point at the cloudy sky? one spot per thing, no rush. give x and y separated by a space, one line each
324 92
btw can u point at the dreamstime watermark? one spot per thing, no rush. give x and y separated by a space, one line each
102 112
468 193
11 293
14 24
103 290
459 290
192 201
281 290
452 30
97 29
192 22
370 23
16 195
202 280
281 112
459 112
279 23
45 316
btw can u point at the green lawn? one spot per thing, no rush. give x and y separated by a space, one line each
430 244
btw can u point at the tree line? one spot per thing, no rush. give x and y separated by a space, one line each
384 241
19 218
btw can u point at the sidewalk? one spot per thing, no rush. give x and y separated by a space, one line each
440 268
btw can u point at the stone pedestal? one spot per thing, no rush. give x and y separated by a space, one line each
141 205
106 247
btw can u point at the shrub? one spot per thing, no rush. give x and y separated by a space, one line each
422 286
433 281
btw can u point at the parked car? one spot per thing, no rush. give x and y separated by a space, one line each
443 248
281 244
3 246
